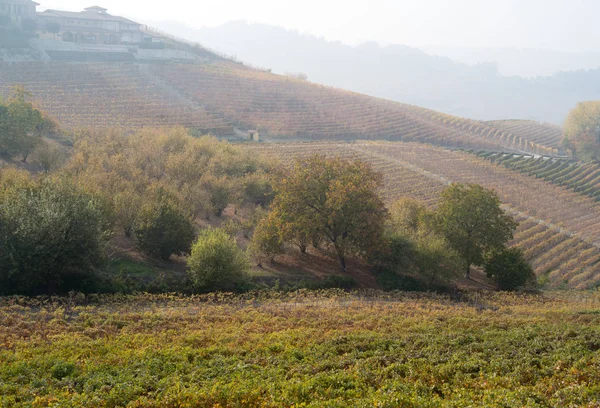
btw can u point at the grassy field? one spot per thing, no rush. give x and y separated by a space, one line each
301 349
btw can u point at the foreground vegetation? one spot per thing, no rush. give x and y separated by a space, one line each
309 349
159 190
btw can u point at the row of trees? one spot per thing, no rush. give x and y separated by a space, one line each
156 183
151 186
154 186
334 202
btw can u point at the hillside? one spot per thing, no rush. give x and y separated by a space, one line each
404 74
543 133
583 178
219 95
559 231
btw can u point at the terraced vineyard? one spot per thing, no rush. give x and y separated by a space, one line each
215 96
579 177
106 96
544 134
285 107
559 231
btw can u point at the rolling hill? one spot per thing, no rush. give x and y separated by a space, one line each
219 95
409 75
560 223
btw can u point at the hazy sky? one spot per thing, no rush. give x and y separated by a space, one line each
566 25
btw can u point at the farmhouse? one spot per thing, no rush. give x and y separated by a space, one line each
93 25
14 12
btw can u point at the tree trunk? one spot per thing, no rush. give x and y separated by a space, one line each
468 273
343 263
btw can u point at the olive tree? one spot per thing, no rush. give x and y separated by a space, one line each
52 238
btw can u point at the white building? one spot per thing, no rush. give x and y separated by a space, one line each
14 12
92 26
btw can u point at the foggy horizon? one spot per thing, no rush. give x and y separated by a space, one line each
557 25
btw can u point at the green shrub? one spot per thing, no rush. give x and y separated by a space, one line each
52 239
390 280
162 230
62 370
338 281
509 269
216 262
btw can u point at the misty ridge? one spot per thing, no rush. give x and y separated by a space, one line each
473 88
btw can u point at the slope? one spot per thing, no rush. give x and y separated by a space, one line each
559 230
406 74
544 134
105 96
214 96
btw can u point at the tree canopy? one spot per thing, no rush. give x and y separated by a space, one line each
216 262
20 125
582 130
509 269
335 199
473 222
52 235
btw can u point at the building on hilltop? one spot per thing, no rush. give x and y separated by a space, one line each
15 12
93 25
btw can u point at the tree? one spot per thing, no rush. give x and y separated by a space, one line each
53 27
582 130
338 200
49 156
162 230
216 262
266 241
52 238
219 193
426 253
126 208
18 123
472 220
509 269
435 261
408 215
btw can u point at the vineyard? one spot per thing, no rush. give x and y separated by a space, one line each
105 96
301 349
214 97
559 231
542 133
581 178
289 108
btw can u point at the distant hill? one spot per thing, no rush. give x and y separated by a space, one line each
401 73
529 63
218 95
